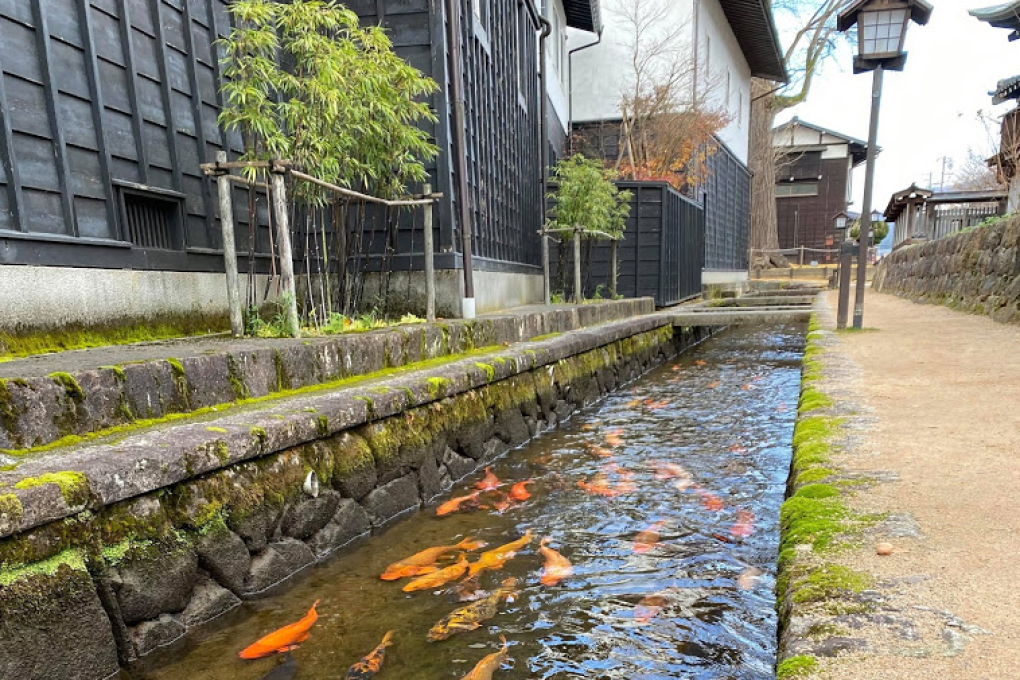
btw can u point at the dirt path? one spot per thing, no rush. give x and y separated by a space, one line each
944 390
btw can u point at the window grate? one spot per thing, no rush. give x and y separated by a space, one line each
150 221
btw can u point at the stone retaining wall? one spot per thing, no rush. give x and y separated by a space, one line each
973 271
98 571
38 411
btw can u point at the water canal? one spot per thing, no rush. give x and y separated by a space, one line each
697 604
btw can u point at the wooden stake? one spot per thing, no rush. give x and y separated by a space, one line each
229 249
613 269
578 293
430 264
289 293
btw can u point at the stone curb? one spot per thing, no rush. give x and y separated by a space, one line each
41 410
153 459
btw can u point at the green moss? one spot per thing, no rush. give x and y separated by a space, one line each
236 378
73 485
10 508
817 491
259 433
811 400
814 429
799 666
8 412
219 430
322 426
71 387
437 386
222 452
814 474
490 371
72 558
830 581
547 336
117 371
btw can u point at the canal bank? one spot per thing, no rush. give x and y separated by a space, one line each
906 436
118 546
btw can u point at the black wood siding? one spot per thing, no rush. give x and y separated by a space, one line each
503 133
662 253
102 99
727 199
808 220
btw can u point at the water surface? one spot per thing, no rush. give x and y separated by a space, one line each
724 411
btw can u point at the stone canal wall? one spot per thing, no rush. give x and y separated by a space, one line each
974 271
115 549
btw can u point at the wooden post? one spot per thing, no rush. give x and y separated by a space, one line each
288 297
229 248
613 269
430 263
802 255
578 293
546 284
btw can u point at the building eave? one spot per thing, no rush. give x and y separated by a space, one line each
1006 15
754 27
584 15
858 147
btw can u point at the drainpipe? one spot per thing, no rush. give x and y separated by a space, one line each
543 131
570 86
460 151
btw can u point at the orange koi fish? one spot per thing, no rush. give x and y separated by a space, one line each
422 562
438 578
488 483
371 664
633 403
614 437
713 385
518 492
748 386
454 504
699 362
670 471
710 501
557 567
599 451
646 540
283 639
624 487
748 578
744 526
497 557
489 665
656 405
469 617
676 367
738 448
599 486
468 590
648 608
503 505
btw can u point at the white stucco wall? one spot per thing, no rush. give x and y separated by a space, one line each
556 60
603 73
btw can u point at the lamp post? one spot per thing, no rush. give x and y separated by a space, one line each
842 223
881 31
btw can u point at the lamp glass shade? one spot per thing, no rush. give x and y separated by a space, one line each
841 222
880 32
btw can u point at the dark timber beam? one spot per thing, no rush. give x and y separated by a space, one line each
42 37
137 120
11 172
196 107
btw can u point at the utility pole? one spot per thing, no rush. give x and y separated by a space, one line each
869 188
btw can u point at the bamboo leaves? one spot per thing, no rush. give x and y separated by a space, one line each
586 196
304 81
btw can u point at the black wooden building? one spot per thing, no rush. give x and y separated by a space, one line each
107 108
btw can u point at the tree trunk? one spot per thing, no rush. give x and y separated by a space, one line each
762 164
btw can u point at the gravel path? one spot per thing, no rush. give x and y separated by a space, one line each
944 390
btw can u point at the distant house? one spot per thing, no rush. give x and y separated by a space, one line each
108 108
814 183
1007 15
727 43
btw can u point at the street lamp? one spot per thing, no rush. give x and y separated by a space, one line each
881 30
841 221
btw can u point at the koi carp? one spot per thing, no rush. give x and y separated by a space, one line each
489 665
438 578
744 526
713 385
557 567
519 492
710 501
468 590
648 608
699 362
496 558
646 540
599 486
283 639
470 617
454 504
614 437
422 562
599 451
372 663
488 483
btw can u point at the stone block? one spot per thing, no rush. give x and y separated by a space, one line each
276 563
350 521
209 600
155 582
149 636
224 555
392 499
307 516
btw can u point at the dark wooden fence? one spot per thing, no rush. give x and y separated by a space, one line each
727 199
662 253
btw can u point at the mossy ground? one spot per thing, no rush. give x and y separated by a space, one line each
73 486
796 667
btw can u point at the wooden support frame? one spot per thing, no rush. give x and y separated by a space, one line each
15 199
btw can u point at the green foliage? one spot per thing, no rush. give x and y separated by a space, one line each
345 106
796 667
585 195
881 230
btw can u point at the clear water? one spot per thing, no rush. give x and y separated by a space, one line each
724 411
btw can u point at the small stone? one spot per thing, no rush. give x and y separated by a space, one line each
392 499
306 517
149 636
151 585
884 549
224 555
208 601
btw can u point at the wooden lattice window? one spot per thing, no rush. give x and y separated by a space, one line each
151 220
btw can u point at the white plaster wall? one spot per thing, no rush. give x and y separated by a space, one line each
498 291
49 297
603 73
556 60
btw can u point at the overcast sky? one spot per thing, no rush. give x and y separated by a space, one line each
938 106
